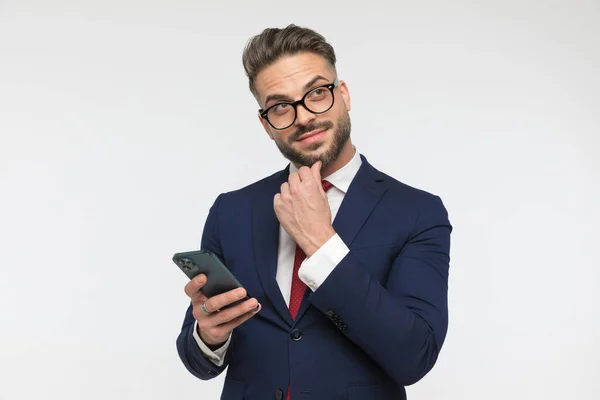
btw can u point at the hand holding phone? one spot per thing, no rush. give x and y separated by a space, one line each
219 301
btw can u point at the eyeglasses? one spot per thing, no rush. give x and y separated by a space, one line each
317 100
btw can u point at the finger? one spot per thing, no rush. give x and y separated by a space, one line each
316 170
294 182
224 299
192 288
305 174
285 191
234 323
231 313
215 320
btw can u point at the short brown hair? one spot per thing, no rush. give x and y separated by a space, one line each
273 43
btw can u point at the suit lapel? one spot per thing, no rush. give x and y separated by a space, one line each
364 193
265 232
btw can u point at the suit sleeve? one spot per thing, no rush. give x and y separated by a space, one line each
197 362
217 356
403 324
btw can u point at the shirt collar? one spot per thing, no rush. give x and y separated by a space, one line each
342 178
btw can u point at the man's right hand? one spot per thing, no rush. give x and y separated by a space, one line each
215 327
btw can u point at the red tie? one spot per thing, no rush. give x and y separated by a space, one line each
298 287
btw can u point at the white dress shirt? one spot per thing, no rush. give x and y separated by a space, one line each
313 270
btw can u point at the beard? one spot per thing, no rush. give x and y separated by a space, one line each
339 140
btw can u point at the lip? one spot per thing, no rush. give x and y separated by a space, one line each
314 135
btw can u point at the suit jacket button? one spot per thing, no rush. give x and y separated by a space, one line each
278 394
296 335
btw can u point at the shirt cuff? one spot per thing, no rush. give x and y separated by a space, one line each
316 268
216 356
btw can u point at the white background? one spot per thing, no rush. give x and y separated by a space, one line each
122 120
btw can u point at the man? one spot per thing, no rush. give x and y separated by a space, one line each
347 268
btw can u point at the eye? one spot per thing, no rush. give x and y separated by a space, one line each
318 93
280 108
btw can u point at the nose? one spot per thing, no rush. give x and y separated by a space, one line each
303 116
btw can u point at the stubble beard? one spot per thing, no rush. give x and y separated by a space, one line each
339 140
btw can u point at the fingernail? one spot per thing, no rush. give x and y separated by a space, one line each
240 293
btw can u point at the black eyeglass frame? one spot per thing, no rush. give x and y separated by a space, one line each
331 86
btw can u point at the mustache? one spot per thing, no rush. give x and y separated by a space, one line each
308 128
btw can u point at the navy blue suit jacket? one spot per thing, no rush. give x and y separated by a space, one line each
375 325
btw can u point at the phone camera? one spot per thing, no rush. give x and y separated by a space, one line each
186 264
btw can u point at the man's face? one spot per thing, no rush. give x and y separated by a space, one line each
312 137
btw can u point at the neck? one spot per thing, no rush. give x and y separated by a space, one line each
343 159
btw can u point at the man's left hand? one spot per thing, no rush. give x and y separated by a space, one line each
303 209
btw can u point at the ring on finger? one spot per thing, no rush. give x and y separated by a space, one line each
204 309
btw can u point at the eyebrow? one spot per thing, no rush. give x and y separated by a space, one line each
284 97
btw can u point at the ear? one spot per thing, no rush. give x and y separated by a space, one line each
266 126
345 94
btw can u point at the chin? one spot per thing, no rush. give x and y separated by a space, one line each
309 154
316 149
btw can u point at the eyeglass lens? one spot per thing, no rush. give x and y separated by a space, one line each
317 101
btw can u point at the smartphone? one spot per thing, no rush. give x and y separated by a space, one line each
218 277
